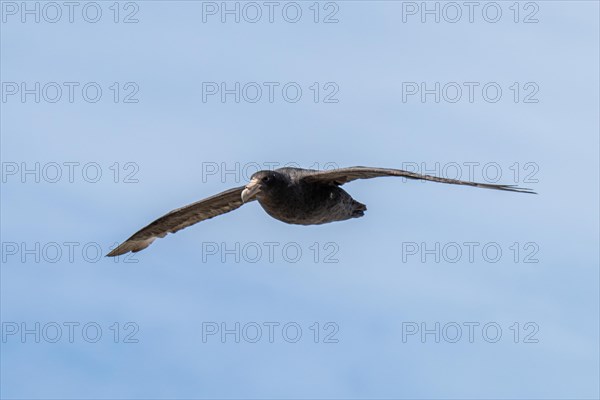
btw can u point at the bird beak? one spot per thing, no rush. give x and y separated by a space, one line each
250 190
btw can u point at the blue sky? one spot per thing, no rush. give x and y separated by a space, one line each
381 285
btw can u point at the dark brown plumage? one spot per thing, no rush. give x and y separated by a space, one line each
292 195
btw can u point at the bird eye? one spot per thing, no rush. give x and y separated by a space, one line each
266 178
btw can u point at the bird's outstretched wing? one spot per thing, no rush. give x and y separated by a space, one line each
345 175
181 218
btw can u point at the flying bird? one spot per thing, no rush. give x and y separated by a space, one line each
292 195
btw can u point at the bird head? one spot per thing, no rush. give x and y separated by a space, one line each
263 183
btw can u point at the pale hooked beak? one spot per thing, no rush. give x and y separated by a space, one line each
251 190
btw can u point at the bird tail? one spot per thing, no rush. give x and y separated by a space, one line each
358 209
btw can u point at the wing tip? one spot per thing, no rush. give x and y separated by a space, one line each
131 245
517 189
114 253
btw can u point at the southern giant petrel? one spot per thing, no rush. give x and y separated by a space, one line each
292 195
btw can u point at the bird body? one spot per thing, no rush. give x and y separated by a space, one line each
291 195
297 202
